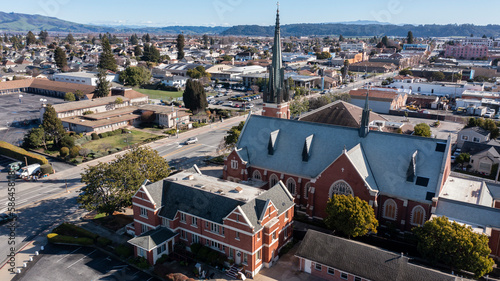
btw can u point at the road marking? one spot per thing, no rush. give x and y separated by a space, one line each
53 196
68 254
80 259
181 150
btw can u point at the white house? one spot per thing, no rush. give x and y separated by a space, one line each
85 78
175 81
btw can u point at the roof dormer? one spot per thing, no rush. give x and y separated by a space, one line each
306 151
412 168
273 137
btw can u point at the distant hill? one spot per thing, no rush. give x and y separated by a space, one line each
325 29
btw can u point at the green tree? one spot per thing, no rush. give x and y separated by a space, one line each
118 100
150 53
409 38
422 130
70 39
103 87
350 215
323 55
463 158
230 140
79 94
385 41
110 186
454 245
137 51
73 152
67 141
64 152
44 36
438 76
135 76
180 46
299 105
107 59
30 38
134 40
52 125
205 41
198 72
341 38
34 138
69 96
60 58
194 96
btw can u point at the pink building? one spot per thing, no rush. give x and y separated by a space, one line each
466 51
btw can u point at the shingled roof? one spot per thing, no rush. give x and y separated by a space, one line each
149 240
47 85
363 260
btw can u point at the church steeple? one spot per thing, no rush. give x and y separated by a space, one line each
364 129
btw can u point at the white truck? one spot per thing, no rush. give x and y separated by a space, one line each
28 171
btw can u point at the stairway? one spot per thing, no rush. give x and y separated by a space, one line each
233 272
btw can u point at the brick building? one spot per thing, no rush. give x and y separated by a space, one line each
248 224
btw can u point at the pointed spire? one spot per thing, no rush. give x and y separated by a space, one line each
365 118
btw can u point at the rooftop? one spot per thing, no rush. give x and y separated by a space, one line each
467 190
81 120
83 104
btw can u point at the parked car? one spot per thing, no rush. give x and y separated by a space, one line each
249 105
15 166
7 217
229 103
28 171
192 140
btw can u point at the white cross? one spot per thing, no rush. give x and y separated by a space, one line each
342 170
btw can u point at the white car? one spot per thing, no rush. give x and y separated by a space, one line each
249 105
192 140
230 103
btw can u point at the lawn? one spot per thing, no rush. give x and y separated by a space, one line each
161 95
118 141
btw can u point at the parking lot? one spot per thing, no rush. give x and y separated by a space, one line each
222 100
17 113
79 263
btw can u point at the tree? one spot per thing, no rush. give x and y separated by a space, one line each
385 41
107 59
438 76
74 151
79 94
70 39
137 51
180 46
409 38
102 88
69 96
299 105
405 72
64 152
30 38
194 96
323 55
463 158
341 38
134 40
454 245
422 130
146 38
350 215
52 125
67 141
230 140
198 72
60 58
205 41
44 36
34 138
110 186
135 76
118 100
150 53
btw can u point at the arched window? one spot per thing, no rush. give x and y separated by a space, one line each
290 184
390 209
418 216
273 180
340 187
256 175
306 190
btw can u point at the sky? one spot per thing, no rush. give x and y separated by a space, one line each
259 12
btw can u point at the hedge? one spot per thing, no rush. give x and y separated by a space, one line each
73 230
47 169
102 241
56 238
18 153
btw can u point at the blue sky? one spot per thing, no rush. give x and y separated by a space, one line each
260 12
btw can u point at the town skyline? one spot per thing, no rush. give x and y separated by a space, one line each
231 13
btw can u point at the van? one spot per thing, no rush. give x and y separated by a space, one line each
28 171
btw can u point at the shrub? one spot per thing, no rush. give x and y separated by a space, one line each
73 230
84 152
46 169
197 125
125 131
103 242
64 152
88 112
56 238
104 135
123 251
73 152
195 248
67 141
18 153
95 136
170 132
162 259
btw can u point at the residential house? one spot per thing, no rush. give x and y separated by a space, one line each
333 258
247 224
102 122
168 117
472 134
483 156
378 67
382 100
175 81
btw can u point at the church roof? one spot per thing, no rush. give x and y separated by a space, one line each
387 155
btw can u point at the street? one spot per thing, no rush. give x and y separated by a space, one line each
44 204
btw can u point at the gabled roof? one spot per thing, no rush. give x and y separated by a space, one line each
358 159
478 130
388 155
149 240
474 148
468 213
363 260
339 113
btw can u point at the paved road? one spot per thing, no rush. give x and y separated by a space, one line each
45 203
